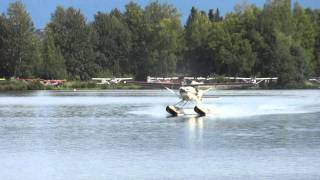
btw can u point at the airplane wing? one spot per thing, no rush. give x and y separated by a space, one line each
170 90
204 91
242 78
100 79
123 79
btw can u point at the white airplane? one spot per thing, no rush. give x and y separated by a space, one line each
317 80
188 94
110 80
253 80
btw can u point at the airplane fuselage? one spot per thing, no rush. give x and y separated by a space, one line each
190 93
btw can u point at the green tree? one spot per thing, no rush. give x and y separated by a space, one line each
276 40
317 43
237 54
304 35
214 16
155 37
163 32
53 65
285 62
114 42
6 66
74 37
197 53
249 21
138 54
274 18
21 45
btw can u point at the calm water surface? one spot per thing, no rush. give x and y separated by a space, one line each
99 135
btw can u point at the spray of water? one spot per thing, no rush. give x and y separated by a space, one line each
238 106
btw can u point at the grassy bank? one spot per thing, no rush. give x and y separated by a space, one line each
70 85
301 85
13 85
16 85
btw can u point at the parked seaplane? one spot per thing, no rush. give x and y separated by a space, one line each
111 80
253 80
316 80
188 94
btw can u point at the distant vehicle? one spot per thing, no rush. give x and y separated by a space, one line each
111 80
188 94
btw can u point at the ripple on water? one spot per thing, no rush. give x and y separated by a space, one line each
128 135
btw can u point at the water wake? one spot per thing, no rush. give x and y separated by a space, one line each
245 106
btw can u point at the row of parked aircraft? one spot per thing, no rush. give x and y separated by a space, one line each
201 80
190 93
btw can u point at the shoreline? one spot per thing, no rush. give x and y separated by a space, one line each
15 85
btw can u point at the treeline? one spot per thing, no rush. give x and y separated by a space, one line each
276 40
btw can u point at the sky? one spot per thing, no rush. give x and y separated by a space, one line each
41 10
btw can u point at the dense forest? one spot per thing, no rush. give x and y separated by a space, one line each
278 40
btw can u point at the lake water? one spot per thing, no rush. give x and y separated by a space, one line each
99 135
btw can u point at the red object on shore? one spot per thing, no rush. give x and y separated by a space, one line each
55 82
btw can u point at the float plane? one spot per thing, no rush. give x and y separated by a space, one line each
111 80
188 94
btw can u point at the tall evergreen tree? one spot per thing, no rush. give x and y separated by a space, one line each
214 16
211 15
196 34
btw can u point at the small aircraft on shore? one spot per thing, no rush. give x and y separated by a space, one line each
188 94
111 80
